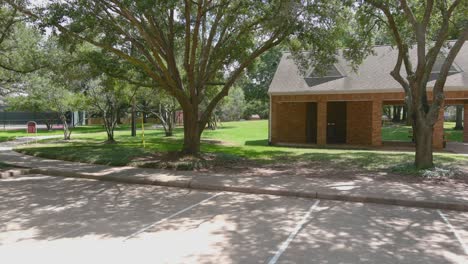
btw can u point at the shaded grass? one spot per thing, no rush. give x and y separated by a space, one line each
247 141
4 165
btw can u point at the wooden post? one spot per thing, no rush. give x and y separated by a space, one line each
465 123
133 117
143 132
321 123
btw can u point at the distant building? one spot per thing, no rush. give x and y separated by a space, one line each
345 107
15 118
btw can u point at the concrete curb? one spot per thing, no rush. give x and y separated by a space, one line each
193 184
14 173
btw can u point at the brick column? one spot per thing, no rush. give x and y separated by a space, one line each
376 139
438 134
465 123
274 110
321 123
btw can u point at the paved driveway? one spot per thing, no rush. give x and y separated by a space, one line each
60 220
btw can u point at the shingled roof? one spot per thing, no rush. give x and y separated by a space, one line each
373 75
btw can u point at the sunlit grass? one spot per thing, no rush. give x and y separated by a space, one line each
401 132
244 140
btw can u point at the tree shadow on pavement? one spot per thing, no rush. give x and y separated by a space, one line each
229 228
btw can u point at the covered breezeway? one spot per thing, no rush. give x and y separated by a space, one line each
352 119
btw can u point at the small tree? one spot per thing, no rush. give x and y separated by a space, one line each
232 106
161 106
425 25
107 96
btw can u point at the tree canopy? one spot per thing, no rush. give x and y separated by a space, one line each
182 46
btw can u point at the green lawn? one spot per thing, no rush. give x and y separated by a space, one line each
241 140
12 134
398 132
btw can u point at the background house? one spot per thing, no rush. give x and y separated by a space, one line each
345 107
18 119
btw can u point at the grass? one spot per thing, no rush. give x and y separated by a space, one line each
4 166
400 132
6 135
239 140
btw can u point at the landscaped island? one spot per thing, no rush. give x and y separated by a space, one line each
233 146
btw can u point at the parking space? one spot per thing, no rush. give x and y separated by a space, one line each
61 220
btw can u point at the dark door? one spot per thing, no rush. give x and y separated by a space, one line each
336 122
311 123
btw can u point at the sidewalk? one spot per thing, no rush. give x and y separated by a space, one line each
382 192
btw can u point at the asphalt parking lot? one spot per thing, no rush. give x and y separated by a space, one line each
47 219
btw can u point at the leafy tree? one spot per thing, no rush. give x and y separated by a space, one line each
425 25
161 106
260 74
43 94
107 96
20 49
232 106
257 107
183 46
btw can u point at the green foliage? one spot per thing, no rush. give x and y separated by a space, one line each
42 94
22 49
326 29
183 47
260 74
231 107
257 107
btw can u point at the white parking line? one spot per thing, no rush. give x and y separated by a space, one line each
169 217
293 234
460 240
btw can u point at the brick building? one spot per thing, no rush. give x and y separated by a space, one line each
345 107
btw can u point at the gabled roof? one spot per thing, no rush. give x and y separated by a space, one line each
373 75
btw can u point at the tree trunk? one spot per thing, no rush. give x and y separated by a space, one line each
169 127
396 114
110 122
133 134
459 118
66 129
191 133
48 125
110 134
404 115
423 135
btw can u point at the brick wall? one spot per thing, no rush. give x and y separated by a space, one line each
289 123
359 123
364 116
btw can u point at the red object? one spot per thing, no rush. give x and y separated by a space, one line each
32 127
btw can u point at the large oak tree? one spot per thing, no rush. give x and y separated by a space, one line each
186 47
